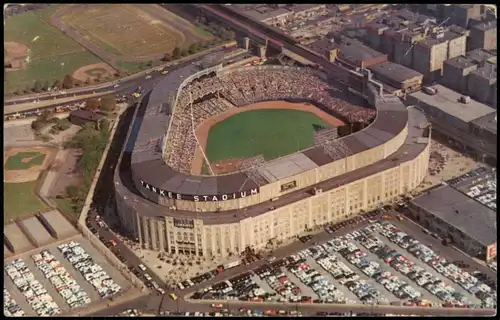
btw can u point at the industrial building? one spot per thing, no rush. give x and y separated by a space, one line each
482 84
456 71
461 14
399 77
348 52
483 36
452 115
415 41
458 213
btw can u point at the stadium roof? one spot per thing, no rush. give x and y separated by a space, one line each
461 212
447 101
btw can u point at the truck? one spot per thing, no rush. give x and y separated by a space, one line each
232 264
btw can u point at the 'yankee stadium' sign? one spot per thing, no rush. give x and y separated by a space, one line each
197 198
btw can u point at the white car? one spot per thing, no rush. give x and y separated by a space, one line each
142 267
116 86
148 77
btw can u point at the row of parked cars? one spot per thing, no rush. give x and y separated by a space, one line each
10 306
91 271
276 278
36 295
323 287
241 287
63 282
466 280
364 291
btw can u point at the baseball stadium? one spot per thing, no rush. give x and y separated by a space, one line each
219 158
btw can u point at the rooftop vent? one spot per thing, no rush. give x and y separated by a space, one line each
464 99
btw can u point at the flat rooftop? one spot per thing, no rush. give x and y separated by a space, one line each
480 55
447 101
461 62
15 236
394 71
461 212
488 122
488 71
356 51
59 223
36 231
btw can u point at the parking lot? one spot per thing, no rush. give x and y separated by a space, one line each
377 264
59 277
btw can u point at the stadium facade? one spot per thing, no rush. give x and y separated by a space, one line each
170 210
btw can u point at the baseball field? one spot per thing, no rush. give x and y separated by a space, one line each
270 129
49 53
128 30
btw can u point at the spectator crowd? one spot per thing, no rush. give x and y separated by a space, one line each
210 95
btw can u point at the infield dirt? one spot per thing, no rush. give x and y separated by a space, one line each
32 173
230 165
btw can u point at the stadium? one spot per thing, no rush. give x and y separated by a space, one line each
221 158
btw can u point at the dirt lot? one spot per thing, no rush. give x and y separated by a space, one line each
224 166
66 174
17 176
14 51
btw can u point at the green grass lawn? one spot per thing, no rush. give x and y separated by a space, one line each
24 27
64 205
271 133
16 162
20 200
136 66
49 69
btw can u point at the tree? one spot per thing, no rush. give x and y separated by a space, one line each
46 86
37 87
184 53
67 82
108 103
92 104
166 57
150 63
193 48
37 125
176 53
57 84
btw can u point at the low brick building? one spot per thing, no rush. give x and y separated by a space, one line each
81 117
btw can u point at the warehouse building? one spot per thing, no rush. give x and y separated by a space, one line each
452 214
483 36
456 71
451 115
482 84
399 77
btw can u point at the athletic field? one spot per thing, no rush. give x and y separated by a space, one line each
272 133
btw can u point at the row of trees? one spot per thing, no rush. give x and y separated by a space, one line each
92 143
105 104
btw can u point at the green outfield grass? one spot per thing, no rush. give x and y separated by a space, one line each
31 159
20 200
271 133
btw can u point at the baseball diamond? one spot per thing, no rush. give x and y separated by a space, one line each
374 150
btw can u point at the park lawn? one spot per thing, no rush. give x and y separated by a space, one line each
64 205
15 162
24 27
20 200
270 133
48 69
